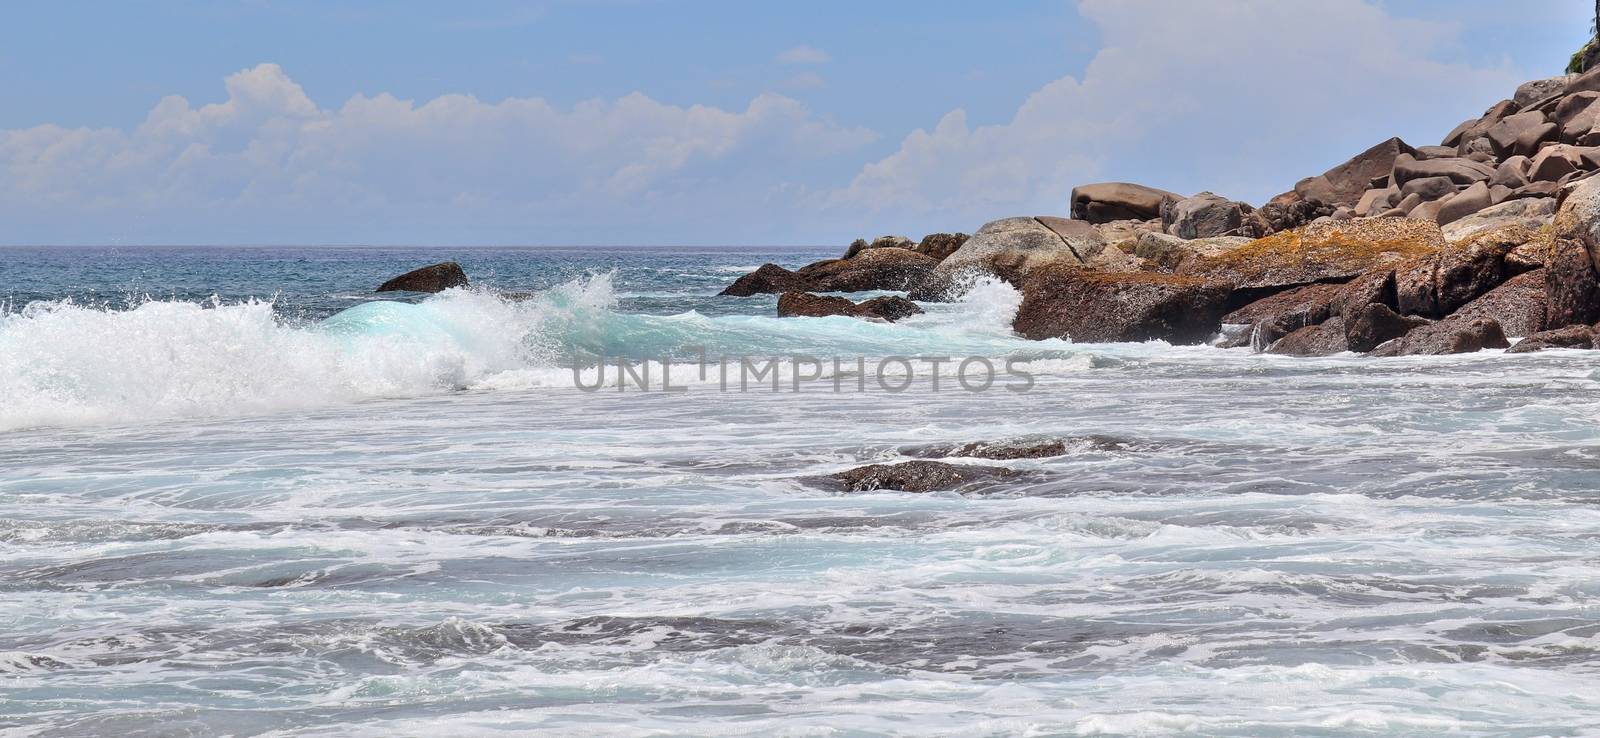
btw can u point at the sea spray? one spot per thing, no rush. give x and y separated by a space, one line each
68 363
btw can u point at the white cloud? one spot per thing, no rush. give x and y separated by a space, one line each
269 164
803 54
1238 96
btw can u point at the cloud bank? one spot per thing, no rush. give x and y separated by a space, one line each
268 160
1238 96
1242 97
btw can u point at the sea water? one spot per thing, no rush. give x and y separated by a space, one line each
240 494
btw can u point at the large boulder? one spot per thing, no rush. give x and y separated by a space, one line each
1313 340
1464 203
920 476
1556 161
1572 285
1320 252
873 269
1512 135
433 278
1449 336
1373 324
1576 115
1344 184
941 245
768 278
1166 252
1517 305
1462 171
1430 188
1436 284
1534 91
1572 336
1107 201
881 242
886 268
1527 213
1466 137
804 304
1089 307
1010 248
1207 215
1271 318
1287 213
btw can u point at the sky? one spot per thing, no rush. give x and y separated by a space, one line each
706 122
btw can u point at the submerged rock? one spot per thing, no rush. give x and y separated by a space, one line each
1022 448
919 476
433 278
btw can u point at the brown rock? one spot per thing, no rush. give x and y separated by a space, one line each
1449 336
1283 215
768 278
920 476
1462 171
1517 305
1464 203
1108 201
1513 172
881 242
885 268
1207 215
888 308
1346 182
1167 253
1291 309
1313 340
1374 324
1320 252
1466 135
1528 214
1430 188
1505 134
1576 115
1535 190
1534 91
1572 336
433 278
1087 307
1010 248
941 245
1572 289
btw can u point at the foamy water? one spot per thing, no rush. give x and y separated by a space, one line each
402 519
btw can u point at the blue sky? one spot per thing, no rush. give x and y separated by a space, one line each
635 122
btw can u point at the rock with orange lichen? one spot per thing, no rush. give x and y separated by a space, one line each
1328 251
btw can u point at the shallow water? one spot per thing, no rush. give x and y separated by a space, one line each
250 520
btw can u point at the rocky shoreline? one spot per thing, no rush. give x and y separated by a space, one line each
1401 250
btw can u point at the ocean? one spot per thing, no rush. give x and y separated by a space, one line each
240 494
